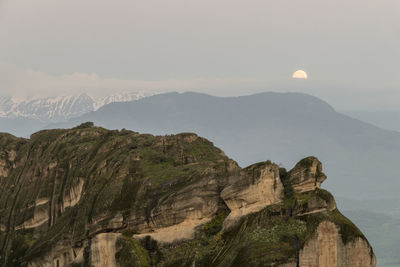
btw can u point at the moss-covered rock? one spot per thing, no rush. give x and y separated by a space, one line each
131 253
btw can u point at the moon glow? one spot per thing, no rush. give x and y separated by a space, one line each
300 74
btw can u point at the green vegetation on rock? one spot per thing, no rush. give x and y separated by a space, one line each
131 253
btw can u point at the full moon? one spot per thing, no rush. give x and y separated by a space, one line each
300 74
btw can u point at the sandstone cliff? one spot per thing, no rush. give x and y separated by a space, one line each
93 197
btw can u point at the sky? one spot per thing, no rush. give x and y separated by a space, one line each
349 49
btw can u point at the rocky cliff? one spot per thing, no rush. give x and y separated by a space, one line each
93 197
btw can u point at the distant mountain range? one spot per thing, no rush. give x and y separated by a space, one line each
24 116
55 109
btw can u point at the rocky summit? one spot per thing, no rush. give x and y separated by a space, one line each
88 196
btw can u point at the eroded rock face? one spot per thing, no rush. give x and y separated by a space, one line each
175 217
8 153
40 217
103 249
59 256
258 187
307 175
326 249
3 170
7 158
182 231
72 197
69 194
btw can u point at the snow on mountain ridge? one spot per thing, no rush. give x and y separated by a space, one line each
123 97
60 108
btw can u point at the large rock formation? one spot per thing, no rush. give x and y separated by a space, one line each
258 186
327 248
307 175
89 196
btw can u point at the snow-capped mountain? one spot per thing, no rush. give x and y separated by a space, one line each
7 103
123 97
61 108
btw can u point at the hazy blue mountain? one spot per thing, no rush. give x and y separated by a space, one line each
387 119
359 158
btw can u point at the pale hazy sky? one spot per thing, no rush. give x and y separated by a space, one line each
349 48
